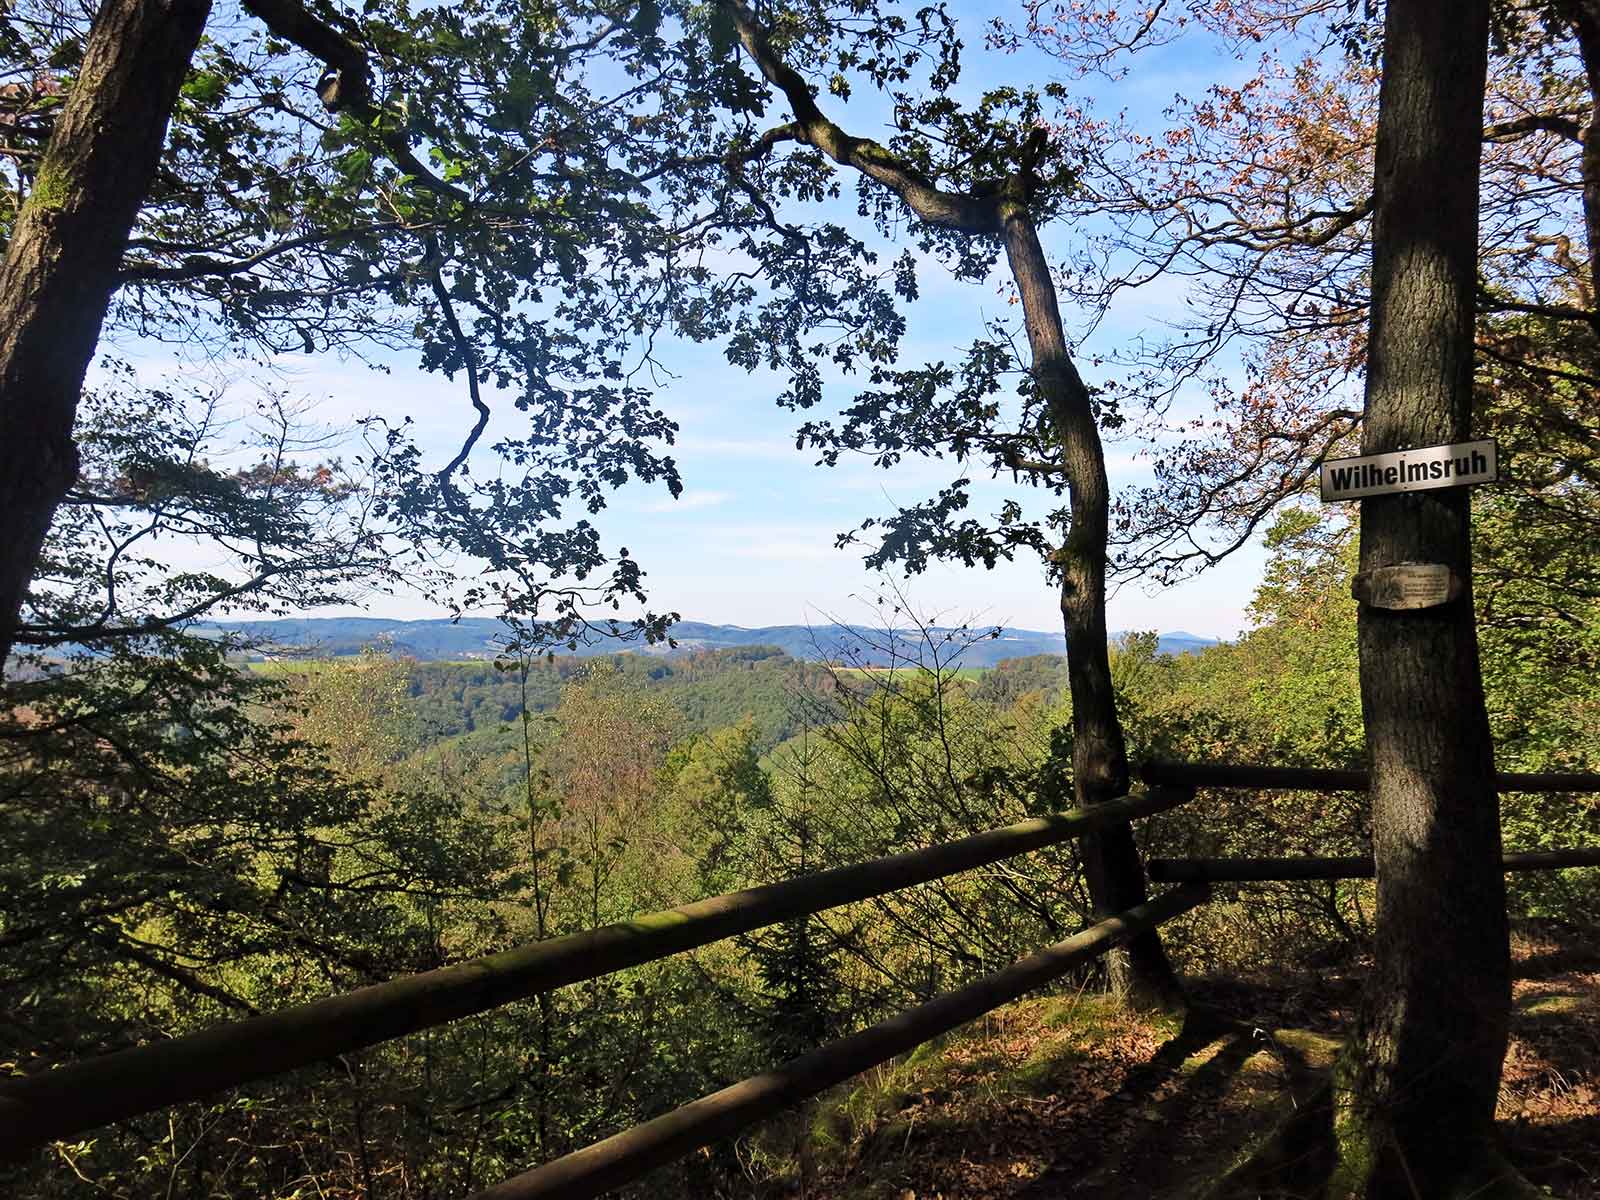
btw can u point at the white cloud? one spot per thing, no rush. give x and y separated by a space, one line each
784 550
688 502
696 445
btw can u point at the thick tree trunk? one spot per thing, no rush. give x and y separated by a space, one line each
1418 1089
61 265
1585 18
1140 973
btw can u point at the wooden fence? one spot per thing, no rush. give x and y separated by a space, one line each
73 1099
97 1091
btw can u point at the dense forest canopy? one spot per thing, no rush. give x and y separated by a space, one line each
535 201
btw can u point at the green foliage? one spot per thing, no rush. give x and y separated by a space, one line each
709 690
1534 536
1537 588
359 714
452 699
523 197
1288 693
714 787
911 758
1014 678
797 1001
183 857
328 836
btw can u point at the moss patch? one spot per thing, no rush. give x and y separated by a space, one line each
1046 1068
1318 1050
1560 1004
51 187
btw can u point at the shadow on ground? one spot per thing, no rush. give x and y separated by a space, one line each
1064 1098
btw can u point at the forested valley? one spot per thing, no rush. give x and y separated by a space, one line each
463 807
659 921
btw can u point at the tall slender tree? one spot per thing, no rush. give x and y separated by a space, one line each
1005 176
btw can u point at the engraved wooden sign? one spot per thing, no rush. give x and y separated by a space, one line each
1407 586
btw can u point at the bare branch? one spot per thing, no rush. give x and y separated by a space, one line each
949 210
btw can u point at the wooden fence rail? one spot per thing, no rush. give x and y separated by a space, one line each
1318 779
596 1169
1246 870
95 1092
60 1103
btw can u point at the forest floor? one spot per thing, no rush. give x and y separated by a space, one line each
1061 1099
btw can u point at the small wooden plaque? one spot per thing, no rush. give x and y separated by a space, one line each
1407 586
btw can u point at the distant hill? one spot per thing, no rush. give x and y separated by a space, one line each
1178 642
474 637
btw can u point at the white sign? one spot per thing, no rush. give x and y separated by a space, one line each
1407 586
1418 470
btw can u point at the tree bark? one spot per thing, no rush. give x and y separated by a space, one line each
61 265
1141 975
1415 1105
1584 15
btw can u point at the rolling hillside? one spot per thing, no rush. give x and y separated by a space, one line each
476 637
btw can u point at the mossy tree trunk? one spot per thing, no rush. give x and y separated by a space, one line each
60 266
1417 1091
1584 18
1141 974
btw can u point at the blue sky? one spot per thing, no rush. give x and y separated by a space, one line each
750 541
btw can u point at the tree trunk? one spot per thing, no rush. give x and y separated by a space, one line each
61 265
1417 1090
1584 16
1140 973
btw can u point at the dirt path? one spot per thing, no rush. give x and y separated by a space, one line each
1063 1099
